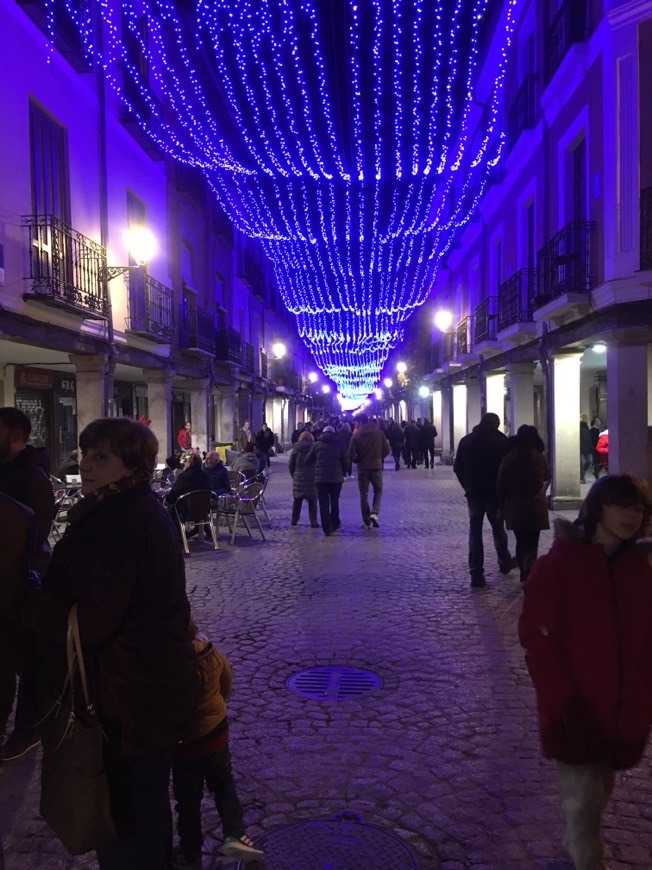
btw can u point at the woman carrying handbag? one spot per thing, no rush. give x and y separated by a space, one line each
121 564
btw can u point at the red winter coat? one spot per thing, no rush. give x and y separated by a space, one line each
587 630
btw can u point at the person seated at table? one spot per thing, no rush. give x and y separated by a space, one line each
193 477
247 462
70 465
217 472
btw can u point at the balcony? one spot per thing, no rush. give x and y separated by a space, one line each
150 308
197 329
570 25
485 320
228 346
251 275
264 365
247 358
646 228
67 270
140 114
463 337
564 273
522 113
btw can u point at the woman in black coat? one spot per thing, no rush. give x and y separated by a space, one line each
303 479
120 561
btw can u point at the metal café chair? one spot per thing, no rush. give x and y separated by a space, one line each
241 505
195 508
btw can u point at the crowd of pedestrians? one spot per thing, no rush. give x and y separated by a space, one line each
159 687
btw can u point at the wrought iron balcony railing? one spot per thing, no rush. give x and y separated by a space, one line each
463 333
646 228
564 263
197 329
515 298
570 25
150 308
247 357
522 112
228 346
67 270
264 365
485 317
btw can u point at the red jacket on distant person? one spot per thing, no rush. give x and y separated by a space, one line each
602 449
586 627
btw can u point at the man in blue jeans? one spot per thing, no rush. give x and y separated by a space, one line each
368 448
476 466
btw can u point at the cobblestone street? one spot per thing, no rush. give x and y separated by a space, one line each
445 755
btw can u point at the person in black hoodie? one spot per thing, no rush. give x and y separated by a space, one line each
477 460
24 477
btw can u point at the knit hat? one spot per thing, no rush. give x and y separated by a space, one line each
328 429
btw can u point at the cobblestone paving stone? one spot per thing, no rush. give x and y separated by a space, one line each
445 755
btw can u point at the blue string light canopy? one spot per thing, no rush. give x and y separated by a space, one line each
340 133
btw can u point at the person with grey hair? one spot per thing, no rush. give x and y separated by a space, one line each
477 460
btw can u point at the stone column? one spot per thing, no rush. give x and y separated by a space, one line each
495 387
627 402
90 371
459 413
521 395
199 412
437 398
473 403
565 452
159 409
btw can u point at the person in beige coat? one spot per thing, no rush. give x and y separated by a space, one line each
204 756
523 478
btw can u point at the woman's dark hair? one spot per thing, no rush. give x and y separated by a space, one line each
619 489
527 436
135 444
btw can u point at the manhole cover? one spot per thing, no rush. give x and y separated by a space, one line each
333 844
333 684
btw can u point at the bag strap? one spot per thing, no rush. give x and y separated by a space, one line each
75 656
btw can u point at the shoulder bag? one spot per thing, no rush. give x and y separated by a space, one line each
74 787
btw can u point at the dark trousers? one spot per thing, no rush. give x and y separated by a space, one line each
188 778
312 510
477 510
527 544
329 505
140 805
375 478
396 453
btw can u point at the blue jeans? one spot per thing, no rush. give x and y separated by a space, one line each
477 510
375 478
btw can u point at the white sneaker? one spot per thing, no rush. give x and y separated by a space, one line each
243 849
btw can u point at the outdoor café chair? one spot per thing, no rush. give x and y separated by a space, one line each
194 508
241 505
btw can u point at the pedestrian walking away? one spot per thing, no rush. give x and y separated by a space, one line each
586 626
330 462
478 458
368 449
523 478
203 756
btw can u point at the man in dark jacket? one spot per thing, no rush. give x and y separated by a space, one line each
368 449
478 457
24 477
17 537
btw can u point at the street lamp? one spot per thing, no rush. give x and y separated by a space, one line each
279 350
443 319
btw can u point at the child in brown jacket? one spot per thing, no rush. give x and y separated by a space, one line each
204 756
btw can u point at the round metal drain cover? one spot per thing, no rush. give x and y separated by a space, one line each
333 844
333 684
